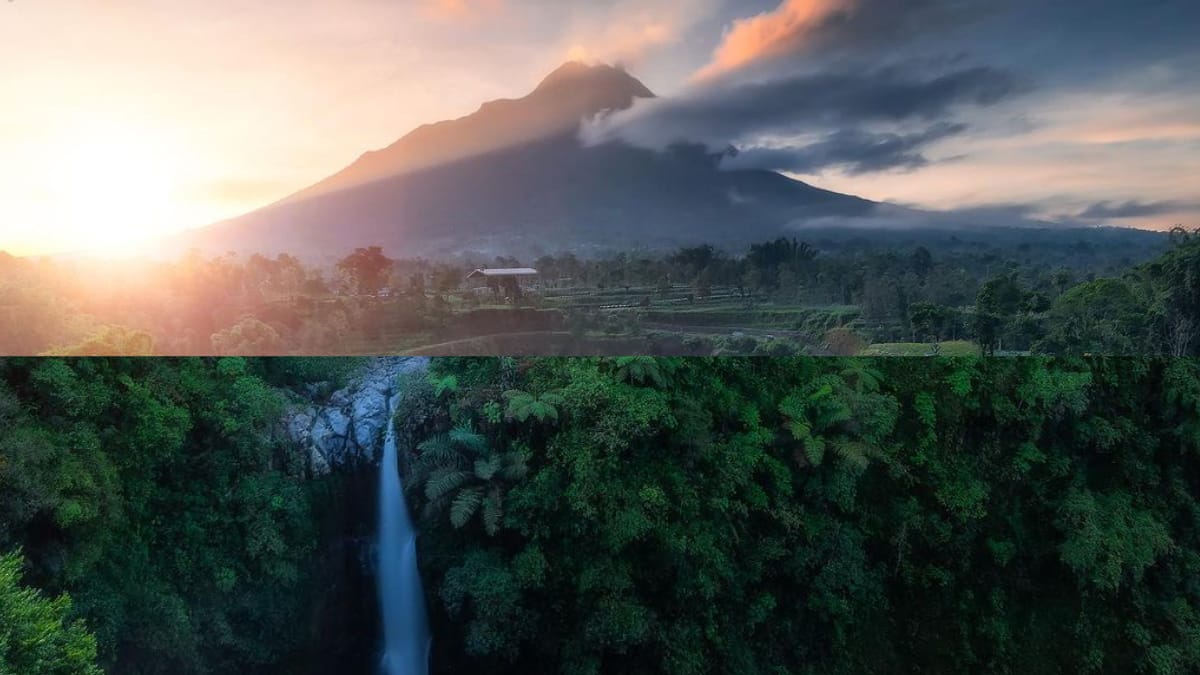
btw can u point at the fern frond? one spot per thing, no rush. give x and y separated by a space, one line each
519 405
543 411
814 450
493 512
468 438
465 505
639 369
445 481
485 469
437 452
856 453
834 415
439 445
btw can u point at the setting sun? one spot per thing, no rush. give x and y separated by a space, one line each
113 189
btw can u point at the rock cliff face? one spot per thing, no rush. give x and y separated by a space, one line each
347 429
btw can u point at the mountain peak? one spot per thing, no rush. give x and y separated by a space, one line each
567 71
600 76
573 92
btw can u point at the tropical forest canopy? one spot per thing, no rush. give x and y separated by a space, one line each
634 515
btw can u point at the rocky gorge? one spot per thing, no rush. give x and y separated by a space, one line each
334 434
345 430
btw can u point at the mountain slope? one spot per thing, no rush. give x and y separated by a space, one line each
556 106
514 178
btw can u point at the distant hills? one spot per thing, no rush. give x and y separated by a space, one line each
513 178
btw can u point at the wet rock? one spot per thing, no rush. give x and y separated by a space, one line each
347 428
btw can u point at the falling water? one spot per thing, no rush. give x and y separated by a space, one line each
405 626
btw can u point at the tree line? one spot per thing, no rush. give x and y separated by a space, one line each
1025 291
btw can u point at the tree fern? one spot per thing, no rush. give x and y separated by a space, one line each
438 450
839 412
444 385
458 468
435 454
485 469
442 482
862 377
795 417
493 511
468 438
523 405
814 450
856 453
640 370
465 505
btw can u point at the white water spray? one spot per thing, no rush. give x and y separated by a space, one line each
405 627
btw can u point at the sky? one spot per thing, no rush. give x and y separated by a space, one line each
125 119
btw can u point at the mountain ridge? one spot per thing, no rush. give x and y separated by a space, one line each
558 103
514 176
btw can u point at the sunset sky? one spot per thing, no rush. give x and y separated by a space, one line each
122 119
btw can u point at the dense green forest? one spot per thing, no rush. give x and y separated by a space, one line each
808 515
630 515
153 494
836 292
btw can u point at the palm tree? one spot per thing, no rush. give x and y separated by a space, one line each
464 475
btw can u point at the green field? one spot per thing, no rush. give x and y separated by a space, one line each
590 320
951 348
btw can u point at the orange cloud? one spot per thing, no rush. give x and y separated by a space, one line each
629 31
625 44
630 45
1112 133
461 9
770 34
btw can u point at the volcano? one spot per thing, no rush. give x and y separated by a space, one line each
513 178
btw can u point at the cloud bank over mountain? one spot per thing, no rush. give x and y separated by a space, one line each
896 91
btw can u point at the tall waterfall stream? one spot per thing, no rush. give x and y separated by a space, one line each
402 600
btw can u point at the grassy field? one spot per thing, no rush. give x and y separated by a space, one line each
388 344
618 320
549 343
954 348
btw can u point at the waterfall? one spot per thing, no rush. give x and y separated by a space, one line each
405 627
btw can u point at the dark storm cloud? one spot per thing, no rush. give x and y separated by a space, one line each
1135 209
869 75
854 151
838 101
826 68
837 98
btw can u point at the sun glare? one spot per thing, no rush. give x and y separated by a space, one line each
579 53
113 190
